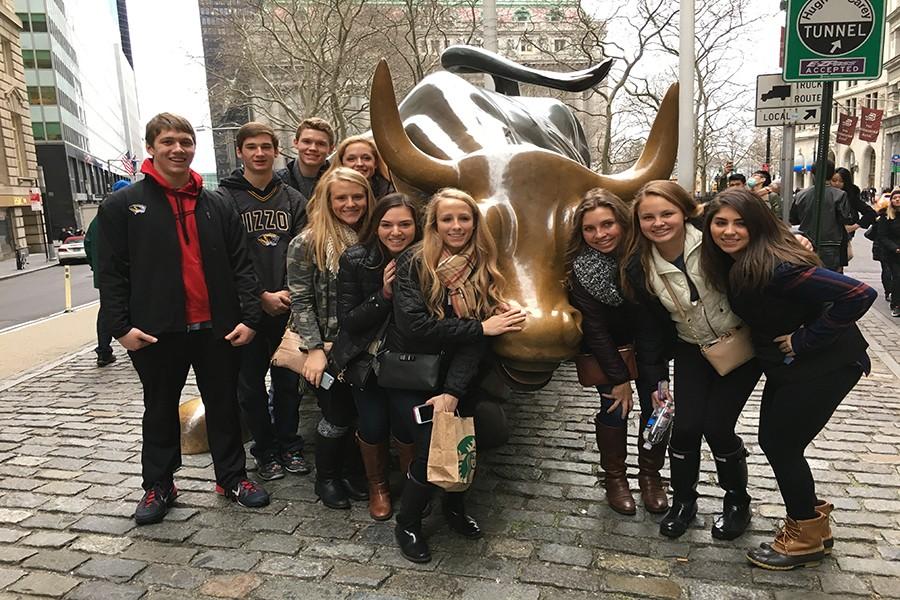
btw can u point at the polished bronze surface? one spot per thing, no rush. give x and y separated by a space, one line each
522 161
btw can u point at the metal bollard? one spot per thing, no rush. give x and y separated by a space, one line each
68 288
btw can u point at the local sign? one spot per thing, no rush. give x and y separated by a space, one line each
781 103
833 40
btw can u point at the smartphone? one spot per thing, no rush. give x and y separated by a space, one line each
327 380
424 413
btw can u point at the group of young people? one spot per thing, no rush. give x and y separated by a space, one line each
212 280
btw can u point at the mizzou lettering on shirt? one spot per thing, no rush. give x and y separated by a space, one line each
266 220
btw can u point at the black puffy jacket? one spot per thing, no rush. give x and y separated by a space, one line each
887 236
415 330
655 335
605 329
362 307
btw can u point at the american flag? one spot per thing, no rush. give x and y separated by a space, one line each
128 163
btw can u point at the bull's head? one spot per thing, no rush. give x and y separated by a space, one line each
527 196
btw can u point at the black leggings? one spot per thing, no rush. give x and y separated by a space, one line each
707 405
792 413
893 265
379 417
616 419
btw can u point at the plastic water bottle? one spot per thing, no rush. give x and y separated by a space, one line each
662 417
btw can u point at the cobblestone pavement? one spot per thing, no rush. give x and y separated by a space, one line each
69 452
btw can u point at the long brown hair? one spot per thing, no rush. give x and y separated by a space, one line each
593 199
369 235
640 246
324 226
489 283
771 243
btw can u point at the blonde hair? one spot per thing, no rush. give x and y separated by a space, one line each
338 162
891 213
487 281
324 227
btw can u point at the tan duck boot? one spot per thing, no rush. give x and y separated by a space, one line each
797 544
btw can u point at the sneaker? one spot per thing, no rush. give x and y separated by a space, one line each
895 312
105 359
247 493
155 504
269 469
293 462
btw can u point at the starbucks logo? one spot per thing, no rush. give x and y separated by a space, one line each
466 457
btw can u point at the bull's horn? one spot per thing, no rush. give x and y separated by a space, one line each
658 158
405 161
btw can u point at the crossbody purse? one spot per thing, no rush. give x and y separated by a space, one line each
729 350
591 374
409 371
360 368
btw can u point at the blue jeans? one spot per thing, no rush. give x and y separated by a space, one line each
378 416
616 419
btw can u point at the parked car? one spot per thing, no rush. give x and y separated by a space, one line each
71 251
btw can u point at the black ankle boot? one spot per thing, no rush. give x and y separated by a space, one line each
735 517
353 476
329 458
408 531
685 469
457 519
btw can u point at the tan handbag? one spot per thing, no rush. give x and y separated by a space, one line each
730 350
288 354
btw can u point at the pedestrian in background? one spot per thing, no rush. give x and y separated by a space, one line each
861 214
803 324
887 236
104 349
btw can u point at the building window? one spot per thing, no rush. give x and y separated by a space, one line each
53 130
48 95
37 59
34 95
39 22
555 14
8 65
522 15
21 157
524 45
26 25
37 129
559 45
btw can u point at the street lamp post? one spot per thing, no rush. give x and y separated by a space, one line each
686 150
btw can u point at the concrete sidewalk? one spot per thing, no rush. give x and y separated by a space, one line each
36 262
69 479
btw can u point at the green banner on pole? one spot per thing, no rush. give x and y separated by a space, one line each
833 40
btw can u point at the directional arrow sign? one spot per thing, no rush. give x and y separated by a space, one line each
781 103
831 40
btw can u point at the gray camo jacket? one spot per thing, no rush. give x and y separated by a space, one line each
314 296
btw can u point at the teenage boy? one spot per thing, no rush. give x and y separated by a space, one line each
272 214
178 291
314 141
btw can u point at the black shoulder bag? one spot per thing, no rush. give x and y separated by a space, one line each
360 368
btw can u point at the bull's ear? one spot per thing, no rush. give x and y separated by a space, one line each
404 160
658 158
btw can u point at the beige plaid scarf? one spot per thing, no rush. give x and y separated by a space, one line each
454 271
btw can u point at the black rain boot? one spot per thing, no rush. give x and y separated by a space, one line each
353 475
735 517
685 469
408 531
329 458
457 519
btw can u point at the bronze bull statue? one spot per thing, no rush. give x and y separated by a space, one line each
525 162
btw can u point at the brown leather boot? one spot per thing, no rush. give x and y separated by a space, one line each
797 544
653 494
375 459
612 444
405 453
825 507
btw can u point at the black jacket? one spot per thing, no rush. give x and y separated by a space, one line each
655 335
362 307
140 263
305 185
415 330
604 329
887 236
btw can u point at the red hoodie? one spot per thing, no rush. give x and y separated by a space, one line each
183 202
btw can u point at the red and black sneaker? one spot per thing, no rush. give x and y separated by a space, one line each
247 493
155 504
